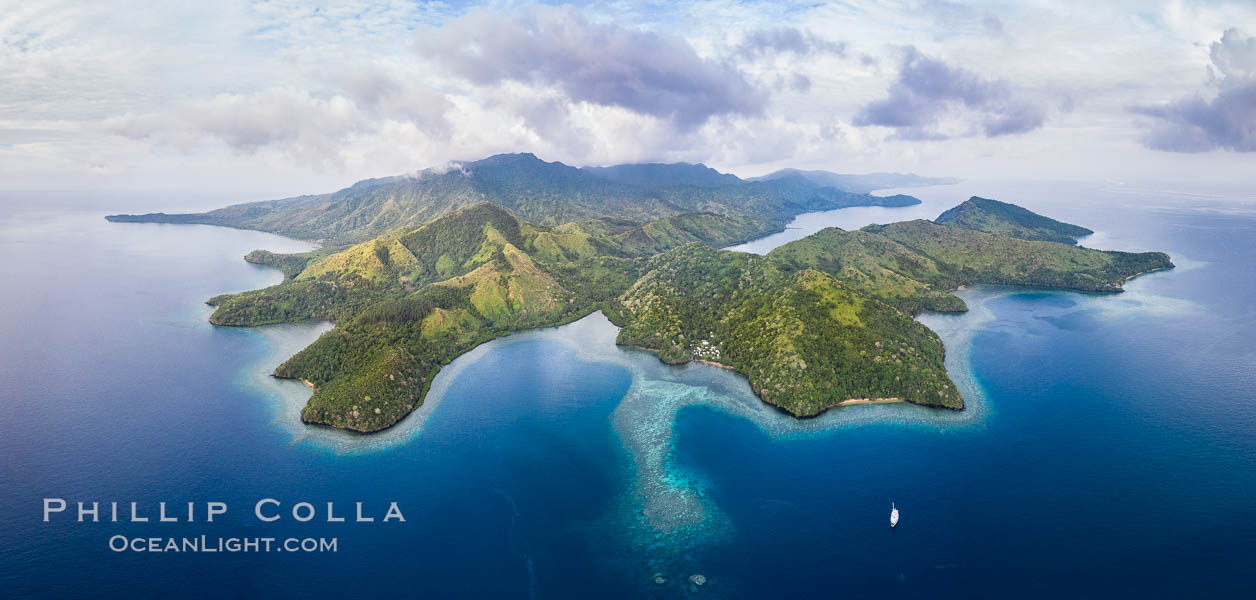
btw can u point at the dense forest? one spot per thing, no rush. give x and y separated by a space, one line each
812 324
1001 218
806 341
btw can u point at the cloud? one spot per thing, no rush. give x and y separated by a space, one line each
954 17
759 43
1235 54
327 93
800 83
1227 120
382 96
931 100
313 129
650 73
309 129
778 54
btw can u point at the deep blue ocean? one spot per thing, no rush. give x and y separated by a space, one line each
1108 448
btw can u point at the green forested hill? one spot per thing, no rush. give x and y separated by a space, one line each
546 193
913 265
1001 218
806 341
670 232
978 257
409 302
813 324
876 266
827 318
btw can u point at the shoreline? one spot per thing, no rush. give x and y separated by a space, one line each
854 401
713 364
847 402
428 385
1168 268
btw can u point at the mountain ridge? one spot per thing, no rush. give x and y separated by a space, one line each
548 193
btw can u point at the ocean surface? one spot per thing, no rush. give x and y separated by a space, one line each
1108 448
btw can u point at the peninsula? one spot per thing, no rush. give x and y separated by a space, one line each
421 269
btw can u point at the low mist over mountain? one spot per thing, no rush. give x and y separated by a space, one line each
659 174
859 184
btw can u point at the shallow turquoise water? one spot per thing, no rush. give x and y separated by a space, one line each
1108 447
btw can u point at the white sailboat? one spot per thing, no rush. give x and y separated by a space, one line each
893 516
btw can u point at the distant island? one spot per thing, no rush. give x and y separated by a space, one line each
439 263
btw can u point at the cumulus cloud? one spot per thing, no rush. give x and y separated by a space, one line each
650 73
1235 54
1224 120
770 42
385 97
931 100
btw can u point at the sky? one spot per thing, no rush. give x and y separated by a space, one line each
280 98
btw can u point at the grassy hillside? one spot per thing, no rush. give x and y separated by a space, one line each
709 228
876 266
1001 218
914 265
977 257
376 368
405 304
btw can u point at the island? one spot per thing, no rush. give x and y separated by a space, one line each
822 322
